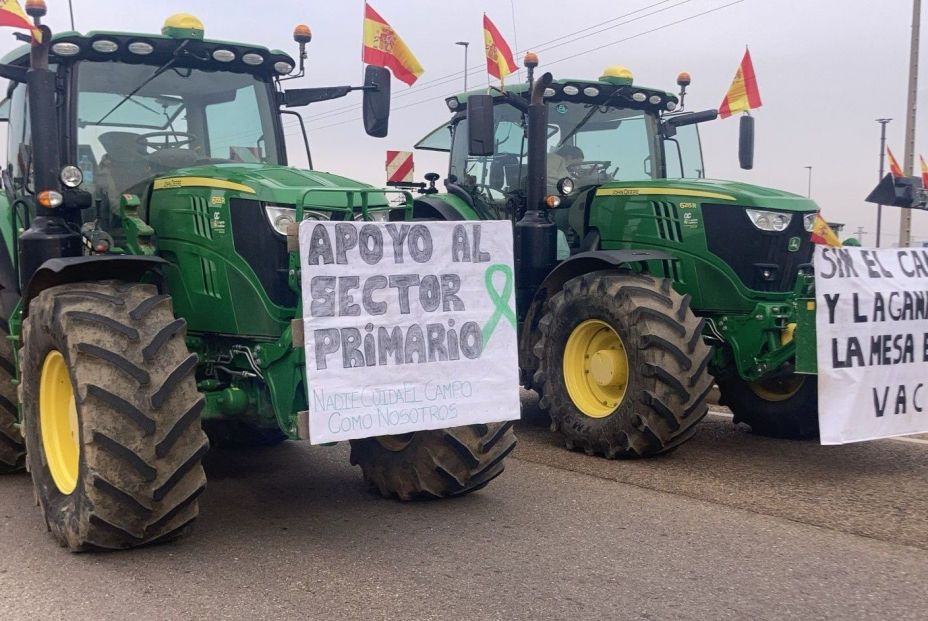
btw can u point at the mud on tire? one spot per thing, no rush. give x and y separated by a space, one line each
138 414
668 381
434 464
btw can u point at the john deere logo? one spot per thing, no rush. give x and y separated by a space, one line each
793 244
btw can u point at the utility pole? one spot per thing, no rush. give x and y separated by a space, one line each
905 221
809 191
860 234
464 44
879 208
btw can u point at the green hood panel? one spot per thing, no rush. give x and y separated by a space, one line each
272 184
711 190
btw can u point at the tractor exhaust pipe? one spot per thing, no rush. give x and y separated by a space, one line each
535 233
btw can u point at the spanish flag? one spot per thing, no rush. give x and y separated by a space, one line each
384 48
822 233
743 94
11 14
500 62
894 166
924 171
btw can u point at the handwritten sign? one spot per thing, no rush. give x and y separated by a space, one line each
408 326
872 339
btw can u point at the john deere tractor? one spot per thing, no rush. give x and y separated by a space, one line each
149 286
639 279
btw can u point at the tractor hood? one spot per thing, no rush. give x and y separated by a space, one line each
711 191
273 184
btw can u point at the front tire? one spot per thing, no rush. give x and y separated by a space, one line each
785 407
622 366
111 415
434 464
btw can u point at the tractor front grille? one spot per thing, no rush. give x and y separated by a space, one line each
763 260
263 249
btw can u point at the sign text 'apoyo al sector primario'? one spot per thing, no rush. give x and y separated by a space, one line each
398 321
872 341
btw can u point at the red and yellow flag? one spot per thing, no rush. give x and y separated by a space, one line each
743 94
823 234
384 48
11 14
500 62
894 166
924 171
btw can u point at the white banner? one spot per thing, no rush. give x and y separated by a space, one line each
872 324
408 326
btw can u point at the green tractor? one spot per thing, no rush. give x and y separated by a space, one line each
148 285
639 279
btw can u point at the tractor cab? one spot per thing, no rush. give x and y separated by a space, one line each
598 132
139 108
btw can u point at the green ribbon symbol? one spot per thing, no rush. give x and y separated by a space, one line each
500 300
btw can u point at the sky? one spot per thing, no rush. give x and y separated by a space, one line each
826 70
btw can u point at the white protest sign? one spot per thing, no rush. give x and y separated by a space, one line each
872 340
408 326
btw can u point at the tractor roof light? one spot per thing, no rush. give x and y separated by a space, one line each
50 199
683 79
531 60
141 48
617 75
66 48
591 91
283 67
253 59
104 46
639 97
302 34
453 103
183 26
223 56
36 8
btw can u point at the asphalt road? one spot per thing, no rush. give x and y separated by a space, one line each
731 526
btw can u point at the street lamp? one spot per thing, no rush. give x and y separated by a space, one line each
809 191
464 44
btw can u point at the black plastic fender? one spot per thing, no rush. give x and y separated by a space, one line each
64 270
428 206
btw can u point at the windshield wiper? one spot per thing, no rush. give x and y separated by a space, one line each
588 116
159 71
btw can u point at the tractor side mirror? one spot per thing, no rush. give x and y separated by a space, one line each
376 101
480 131
746 142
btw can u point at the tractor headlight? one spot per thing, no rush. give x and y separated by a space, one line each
565 186
808 221
71 176
769 220
280 217
374 216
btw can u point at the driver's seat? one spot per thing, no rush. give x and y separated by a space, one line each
123 164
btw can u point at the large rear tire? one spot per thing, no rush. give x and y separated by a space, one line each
434 464
111 415
12 447
785 407
622 366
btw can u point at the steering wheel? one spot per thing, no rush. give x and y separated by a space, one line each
147 142
593 168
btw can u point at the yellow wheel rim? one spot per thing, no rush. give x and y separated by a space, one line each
595 368
58 422
777 389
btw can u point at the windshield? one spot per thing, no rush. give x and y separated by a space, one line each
183 117
591 144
